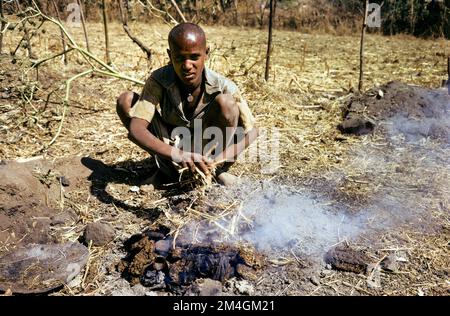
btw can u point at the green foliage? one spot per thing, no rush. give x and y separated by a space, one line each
416 17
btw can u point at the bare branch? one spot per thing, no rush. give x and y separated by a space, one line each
63 40
273 4
105 26
2 26
83 22
178 10
124 18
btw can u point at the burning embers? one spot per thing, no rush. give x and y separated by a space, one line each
160 263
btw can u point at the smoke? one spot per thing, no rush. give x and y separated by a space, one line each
403 173
432 121
292 220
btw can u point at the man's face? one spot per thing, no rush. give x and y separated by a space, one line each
188 57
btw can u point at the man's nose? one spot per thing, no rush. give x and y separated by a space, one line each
187 65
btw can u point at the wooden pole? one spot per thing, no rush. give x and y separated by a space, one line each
83 22
273 4
2 26
63 39
105 26
361 50
448 73
178 10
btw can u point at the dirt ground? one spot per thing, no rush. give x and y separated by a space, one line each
384 194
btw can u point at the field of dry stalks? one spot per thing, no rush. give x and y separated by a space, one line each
311 81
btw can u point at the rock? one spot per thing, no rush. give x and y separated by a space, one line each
390 263
134 189
162 247
205 287
155 280
64 181
347 259
138 290
314 280
356 125
40 268
99 233
147 188
244 288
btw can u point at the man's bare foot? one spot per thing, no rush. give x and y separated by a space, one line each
227 179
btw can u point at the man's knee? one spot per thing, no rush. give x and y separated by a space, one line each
227 106
123 105
124 102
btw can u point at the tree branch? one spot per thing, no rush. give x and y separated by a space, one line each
124 17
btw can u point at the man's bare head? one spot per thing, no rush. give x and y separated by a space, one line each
187 34
188 52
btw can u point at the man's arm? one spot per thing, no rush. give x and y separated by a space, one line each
145 139
231 152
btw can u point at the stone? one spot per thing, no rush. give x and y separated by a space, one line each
205 287
347 259
64 181
356 125
314 280
244 288
390 263
138 290
99 233
162 247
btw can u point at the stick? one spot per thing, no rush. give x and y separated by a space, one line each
178 10
26 37
38 62
83 22
142 46
63 40
273 4
361 51
448 73
2 26
105 26
66 103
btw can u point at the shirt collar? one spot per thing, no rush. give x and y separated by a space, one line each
166 76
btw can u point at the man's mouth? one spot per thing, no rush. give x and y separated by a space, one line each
189 76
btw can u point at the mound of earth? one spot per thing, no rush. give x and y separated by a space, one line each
407 109
30 196
33 258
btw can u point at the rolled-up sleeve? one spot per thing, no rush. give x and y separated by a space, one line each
150 98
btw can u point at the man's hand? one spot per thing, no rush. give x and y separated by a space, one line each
193 161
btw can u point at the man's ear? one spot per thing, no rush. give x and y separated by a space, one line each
207 51
170 57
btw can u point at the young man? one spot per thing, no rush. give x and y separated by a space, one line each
187 98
